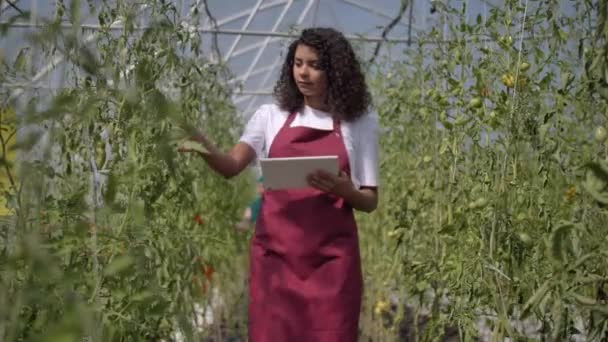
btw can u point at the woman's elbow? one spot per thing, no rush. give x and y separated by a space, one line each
229 174
370 208
230 171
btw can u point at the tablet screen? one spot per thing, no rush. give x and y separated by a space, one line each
291 173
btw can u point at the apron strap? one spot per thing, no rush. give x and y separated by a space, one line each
289 120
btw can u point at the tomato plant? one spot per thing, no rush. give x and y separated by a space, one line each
494 192
493 179
110 220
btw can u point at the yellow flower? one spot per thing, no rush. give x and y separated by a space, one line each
570 193
381 307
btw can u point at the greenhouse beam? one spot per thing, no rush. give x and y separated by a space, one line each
245 26
58 88
253 92
375 11
282 35
245 13
57 60
221 31
5 5
255 72
261 50
275 63
277 58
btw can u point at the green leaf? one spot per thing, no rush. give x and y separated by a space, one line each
582 300
142 296
599 170
580 261
191 145
111 186
20 63
75 12
601 309
138 212
536 298
62 335
558 241
596 181
603 91
598 196
119 264
557 315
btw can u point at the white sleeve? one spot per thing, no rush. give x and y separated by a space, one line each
368 151
255 131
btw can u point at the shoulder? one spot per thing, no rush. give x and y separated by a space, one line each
270 111
272 108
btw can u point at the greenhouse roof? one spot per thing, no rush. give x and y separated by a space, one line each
251 34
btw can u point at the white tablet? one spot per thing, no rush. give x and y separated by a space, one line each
291 173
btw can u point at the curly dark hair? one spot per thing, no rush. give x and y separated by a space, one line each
347 95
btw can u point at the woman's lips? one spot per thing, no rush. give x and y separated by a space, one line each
305 84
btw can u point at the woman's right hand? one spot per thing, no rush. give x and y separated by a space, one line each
195 143
226 164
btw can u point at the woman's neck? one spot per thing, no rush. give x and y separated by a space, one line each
316 103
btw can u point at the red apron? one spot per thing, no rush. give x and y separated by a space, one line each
305 281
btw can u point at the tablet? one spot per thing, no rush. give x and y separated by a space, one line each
291 173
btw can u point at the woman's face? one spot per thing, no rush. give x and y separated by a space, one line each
307 73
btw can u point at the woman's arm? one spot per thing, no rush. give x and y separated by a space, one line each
365 199
226 164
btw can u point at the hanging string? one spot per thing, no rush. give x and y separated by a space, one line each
388 28
519 52
409 27
315 13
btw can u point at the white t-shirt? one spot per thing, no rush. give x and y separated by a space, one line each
360 137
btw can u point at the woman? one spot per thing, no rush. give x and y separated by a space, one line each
305 281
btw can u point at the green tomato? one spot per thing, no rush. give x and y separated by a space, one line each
475 102
461 120
478 203
525 238
481 202
600 134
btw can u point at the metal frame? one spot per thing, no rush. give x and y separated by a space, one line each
254 69
376 11
261 50
245 26
5 5
58 59
242 32
277 58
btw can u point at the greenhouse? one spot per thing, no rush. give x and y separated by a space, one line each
151 151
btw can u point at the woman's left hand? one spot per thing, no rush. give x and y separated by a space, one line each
340 185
